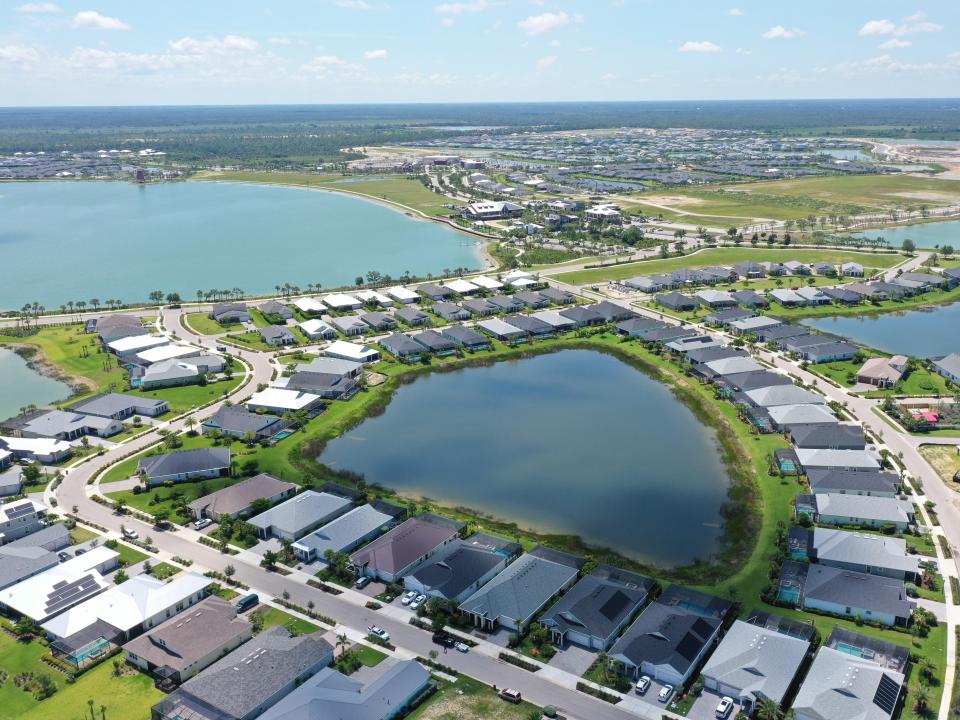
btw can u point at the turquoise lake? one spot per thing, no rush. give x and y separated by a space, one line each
924 235
20 386
930 332
572 442
83 240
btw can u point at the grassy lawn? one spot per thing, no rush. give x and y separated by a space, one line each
944 459
203 324
368 656
16 658
81 535
934 297
226 593
128 555
79 355
399 189
727 256
920 383
128 697
273 617
469 698
185 397
190 491
162 571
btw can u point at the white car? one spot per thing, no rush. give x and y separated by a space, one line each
202 523
643 684
723 708
408 597
379 632
665 693
130 534
418 601
462 647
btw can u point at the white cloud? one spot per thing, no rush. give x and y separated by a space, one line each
18 55
447 22
354 4
539 24
546 62
93 19
39 7
609 77
895 43
375 55
112 62
332 66
280 41
214 46
877 27
459 8
698 46
744 51
585 50
554 43
736 12
779 32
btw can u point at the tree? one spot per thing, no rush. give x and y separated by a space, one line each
908 245
120 577
156 297
229 571
343 642
269 560
769 710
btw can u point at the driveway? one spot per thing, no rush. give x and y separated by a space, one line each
706 706
573 659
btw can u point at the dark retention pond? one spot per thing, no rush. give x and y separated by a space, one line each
574 442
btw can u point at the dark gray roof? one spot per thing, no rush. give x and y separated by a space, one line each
449 311
846 588
433 290
184 461
750 298
505 302
452 574
276 332
44 536
110 404
724 316
378 320
556 295
634 325
666 334
20 562
411 315
779 332
401 345
250 676
612 312
239 420
272 307
841 294
580 314
675 301
530 324
397 549
853 481
599 603
832 437
531 298
747 381
706 355
479 306
831 350
464 336
320 383
433 341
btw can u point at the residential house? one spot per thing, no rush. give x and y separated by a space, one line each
347 532
20 518
461 286
415 317
239 422
715 299
378 321
114 327
451 312
280 401
401 294
235 500
521 590
127 347
786 418
778 395
505 332
636 326
646 284
750 270
317 329
752 664
863 510
884 372
720 352
582 316
788 298
17 563
594 611
693 342
309 306
948 367
342 302
350 325
842 295
852 482
188 643
404 548
372 297
871 554
330 694
556 296
486 283
300 514
813 295
462 568
87 630
532 299
612 312
435 343
230 312
480 307
121 406
435 292
830 352
184 465
675 301
402 347
795 267
43 450
505 303
465 337
272 307
672 636
333 366
554 319
752 325
722 318
776 333
825 268
63 425
329 386
750 299
252 678
830 459
834 437
851 269
535 328
843 685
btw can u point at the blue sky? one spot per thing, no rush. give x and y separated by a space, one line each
111 52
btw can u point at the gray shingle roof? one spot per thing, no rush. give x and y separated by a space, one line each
344 532
185 461
852 481
876 551
299 512
452 574
20 562
840 686
847 588
110 404
235 498
236 419
251 675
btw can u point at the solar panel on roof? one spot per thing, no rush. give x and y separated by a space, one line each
612 608
888 690
689 647
20 510
702 628
66 594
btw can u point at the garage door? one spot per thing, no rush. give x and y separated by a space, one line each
728 690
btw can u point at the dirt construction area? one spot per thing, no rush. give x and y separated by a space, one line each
469 700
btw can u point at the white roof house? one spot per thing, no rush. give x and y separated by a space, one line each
778 395
136 343
167 352
342 301
816 458
352 351
42 449
734 365
402 294
461 286
317 328
372 296
841 685
802 415
282 400
141 600
517 275
61 587
486 283
309 305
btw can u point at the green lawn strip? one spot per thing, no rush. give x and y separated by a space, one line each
78 355
128 555
81 535
225 593
202 324
368 656
927 299
185 397
257 318
273 617
16 658
128 697
164 570
936 593
728 256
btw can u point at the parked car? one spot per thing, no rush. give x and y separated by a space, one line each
63 556
247 602
408 597
361 582
221 348
723 709
512 696
418 601
665 692
130 534
643 684
79 552
202 523
442 638
462 647
379 632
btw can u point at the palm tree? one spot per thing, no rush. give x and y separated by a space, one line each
342 643
921 698
94 303
768 709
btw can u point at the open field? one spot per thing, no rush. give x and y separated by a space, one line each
203 324
798 198
468 698
76 353
397 189
727 256
945 460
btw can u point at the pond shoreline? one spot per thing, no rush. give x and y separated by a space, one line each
740 511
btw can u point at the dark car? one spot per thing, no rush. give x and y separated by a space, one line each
63 556
444 639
